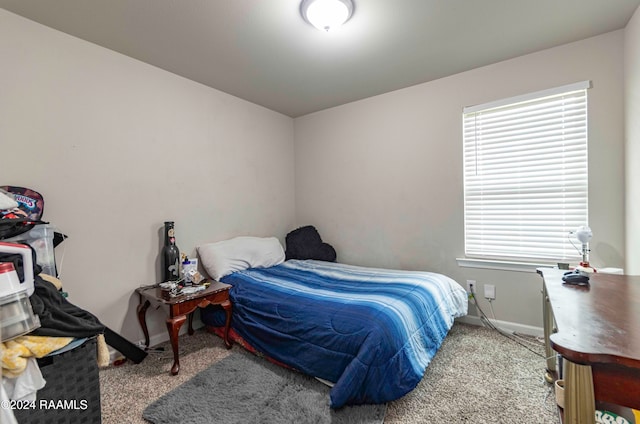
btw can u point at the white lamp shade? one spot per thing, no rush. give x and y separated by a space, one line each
326 14
584 234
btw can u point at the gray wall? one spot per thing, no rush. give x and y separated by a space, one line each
382 178
117 147
632 142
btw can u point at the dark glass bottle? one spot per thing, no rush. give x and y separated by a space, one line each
170 254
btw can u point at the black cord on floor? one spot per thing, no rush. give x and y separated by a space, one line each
485 320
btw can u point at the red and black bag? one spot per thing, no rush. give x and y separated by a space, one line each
29 212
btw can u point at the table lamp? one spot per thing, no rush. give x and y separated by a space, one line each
584 234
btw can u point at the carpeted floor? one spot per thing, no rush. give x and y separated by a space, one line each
478 376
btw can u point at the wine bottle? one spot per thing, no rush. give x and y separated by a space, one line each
170 254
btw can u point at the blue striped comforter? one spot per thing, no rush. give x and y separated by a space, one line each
370 331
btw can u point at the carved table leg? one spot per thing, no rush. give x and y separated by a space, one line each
227 308
173 326
142 318
191 324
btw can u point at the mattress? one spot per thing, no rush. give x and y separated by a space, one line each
370 331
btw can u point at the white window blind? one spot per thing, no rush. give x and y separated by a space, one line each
525 174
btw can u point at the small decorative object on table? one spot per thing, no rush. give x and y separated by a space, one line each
190 273
168 289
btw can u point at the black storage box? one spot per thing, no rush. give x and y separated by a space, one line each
72 392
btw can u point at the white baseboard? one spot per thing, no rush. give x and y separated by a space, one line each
507 326
467 319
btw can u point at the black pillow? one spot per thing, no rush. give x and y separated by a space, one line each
306 243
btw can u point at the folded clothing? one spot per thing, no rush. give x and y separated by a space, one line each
16 352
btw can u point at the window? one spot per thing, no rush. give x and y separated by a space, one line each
525 175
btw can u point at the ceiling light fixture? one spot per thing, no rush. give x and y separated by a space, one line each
326 14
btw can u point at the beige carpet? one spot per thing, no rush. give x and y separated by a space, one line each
478 376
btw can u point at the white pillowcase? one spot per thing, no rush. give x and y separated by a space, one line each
240 253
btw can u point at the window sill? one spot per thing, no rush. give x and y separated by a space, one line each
502 265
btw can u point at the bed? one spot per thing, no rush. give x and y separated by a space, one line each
371 332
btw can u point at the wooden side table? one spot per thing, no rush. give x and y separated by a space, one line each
179 308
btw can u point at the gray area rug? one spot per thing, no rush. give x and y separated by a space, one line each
243 388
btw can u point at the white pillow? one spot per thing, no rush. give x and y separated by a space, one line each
240 253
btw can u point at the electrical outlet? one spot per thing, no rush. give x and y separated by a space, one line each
489 291
471 286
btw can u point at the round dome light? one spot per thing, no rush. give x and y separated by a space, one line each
326 14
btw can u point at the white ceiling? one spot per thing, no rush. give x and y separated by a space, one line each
264 52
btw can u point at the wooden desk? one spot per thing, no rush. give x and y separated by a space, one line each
598 329
181 306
